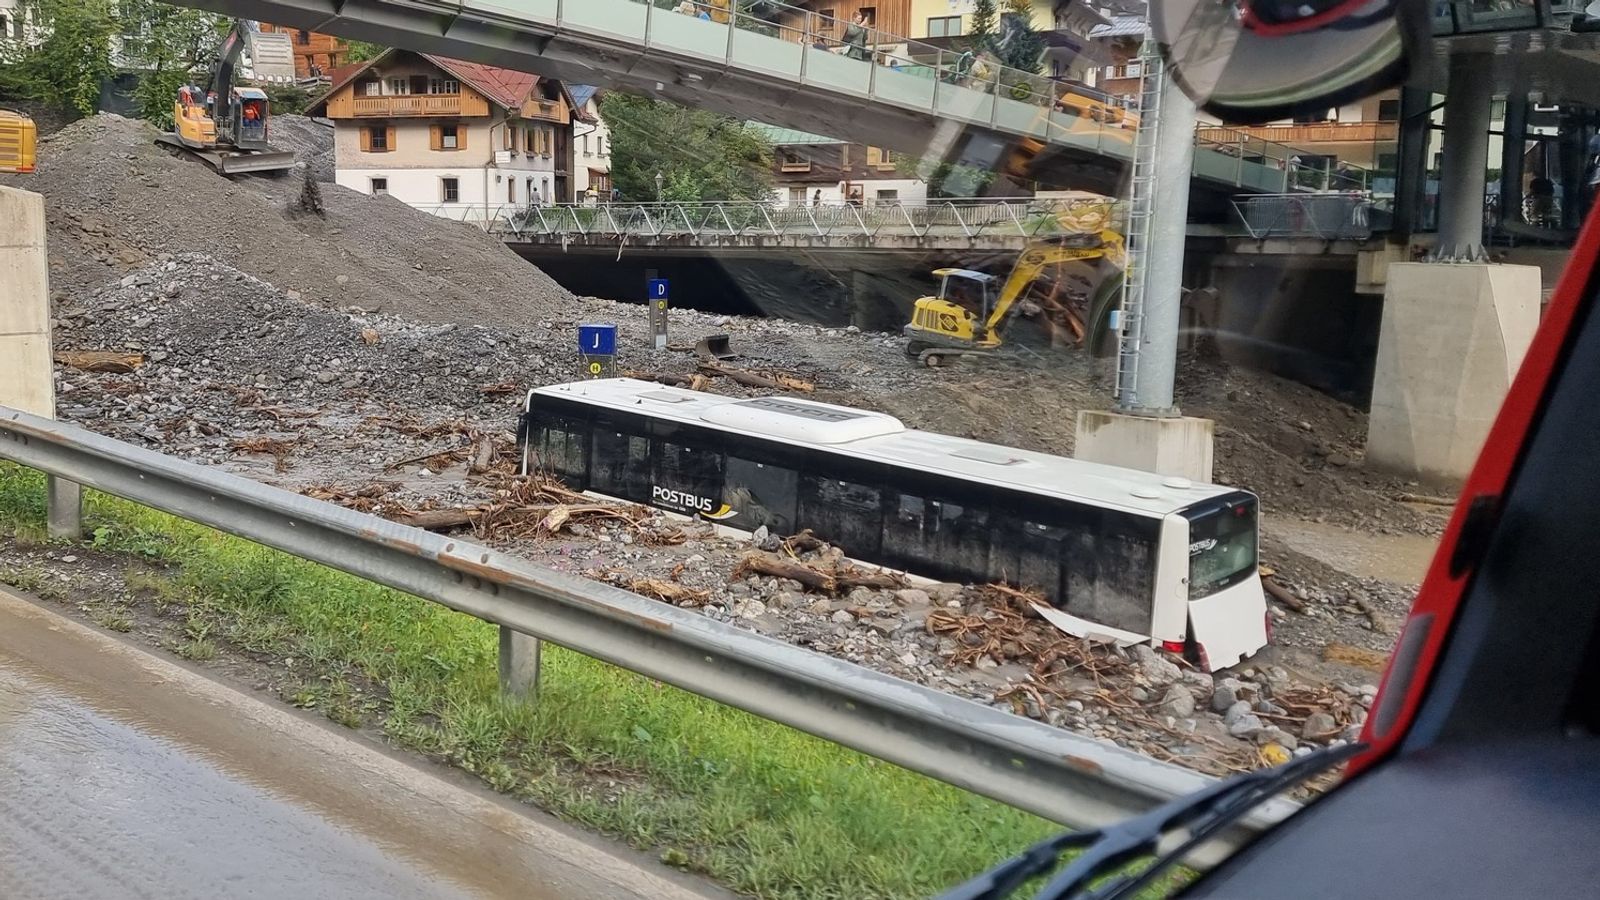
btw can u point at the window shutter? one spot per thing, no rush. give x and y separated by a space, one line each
435 137
389 140
461 136
508 141
366 140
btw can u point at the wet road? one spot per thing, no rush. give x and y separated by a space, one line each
124 776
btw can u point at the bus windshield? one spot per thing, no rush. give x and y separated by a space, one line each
1222 545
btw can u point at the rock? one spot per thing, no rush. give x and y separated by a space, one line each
326 377
1178 702
912 597
861 596
1139 694
1075 705
843 618
1225 695
1157 669
760 534
945 592
1272 734
341 279
69 558
1201 683
820 608
1236 712
908 659
1318 726
851 329
695 558
750 609
1244 726
1338 459
129 281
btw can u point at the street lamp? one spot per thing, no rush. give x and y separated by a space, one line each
659 179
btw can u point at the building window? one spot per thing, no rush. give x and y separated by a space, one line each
944 26
511 190
444 86
2 24
586 146
888 195
790 161
379 186
1497 110
399 86
844 157
600 145
797 196
448 138
879 158
302 37
372 89
450 190
377 139
1389 110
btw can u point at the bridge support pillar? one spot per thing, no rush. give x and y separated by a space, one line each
1463 172
27 381
1451 341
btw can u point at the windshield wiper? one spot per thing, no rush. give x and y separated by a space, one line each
1203 813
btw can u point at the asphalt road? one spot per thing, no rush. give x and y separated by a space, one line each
126 776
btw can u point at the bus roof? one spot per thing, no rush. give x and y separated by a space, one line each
964 273
883 438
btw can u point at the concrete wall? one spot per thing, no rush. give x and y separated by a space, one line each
1453 337
26 381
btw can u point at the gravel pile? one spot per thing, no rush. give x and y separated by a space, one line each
116 201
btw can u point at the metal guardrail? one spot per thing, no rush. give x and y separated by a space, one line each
1066 777
1019 217
1336 216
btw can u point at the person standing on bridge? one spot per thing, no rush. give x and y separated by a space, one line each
855 36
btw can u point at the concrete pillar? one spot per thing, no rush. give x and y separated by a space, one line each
1163 265
1512 145
1452 338
1466 157
519 663
26 379
1180 446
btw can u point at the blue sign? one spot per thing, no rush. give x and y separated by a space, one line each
597 340
658 289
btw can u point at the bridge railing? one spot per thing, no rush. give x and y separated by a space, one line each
1328 216
1025 217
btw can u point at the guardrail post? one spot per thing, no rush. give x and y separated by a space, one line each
519 664
64 519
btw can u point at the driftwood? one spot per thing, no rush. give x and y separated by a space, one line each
109 362
1424 499
766 564
676 594
694 382
748 378
483 457
1282 595
440 519
804 542
421 458
853 577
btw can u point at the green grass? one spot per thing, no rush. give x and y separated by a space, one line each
758 806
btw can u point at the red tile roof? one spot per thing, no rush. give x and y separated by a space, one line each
503 86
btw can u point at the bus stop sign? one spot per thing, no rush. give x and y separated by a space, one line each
597 350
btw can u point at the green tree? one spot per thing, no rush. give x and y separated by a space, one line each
365 51
65 68
983 19
945 179
169 46
701 155
1018 44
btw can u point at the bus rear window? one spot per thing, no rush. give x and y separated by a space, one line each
1222 545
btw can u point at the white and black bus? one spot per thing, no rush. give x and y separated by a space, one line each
1124 554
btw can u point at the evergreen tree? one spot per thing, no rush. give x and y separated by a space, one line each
1018 44
982 30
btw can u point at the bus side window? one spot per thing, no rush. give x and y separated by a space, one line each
1039 559
961 539
842 513
621 464
760 494
686 468
906 534
562 450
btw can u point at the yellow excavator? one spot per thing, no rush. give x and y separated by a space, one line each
225 125
18 142
970 313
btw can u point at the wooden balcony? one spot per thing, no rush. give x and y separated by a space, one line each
409 105
1301 135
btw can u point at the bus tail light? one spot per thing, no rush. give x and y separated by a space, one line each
1268 615
1174 647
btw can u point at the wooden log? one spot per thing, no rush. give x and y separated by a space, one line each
854 578
804 542
440 519
109 362
1426 500
1282 595
764 564
742 376
484 456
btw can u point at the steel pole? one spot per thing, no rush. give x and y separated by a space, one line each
1163 264
1466 157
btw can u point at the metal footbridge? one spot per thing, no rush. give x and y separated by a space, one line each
787 67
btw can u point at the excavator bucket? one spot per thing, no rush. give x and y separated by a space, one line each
271 55
715 346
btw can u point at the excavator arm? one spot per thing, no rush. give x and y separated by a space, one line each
1041 256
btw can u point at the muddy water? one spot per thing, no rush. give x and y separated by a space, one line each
1397 558
124 776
